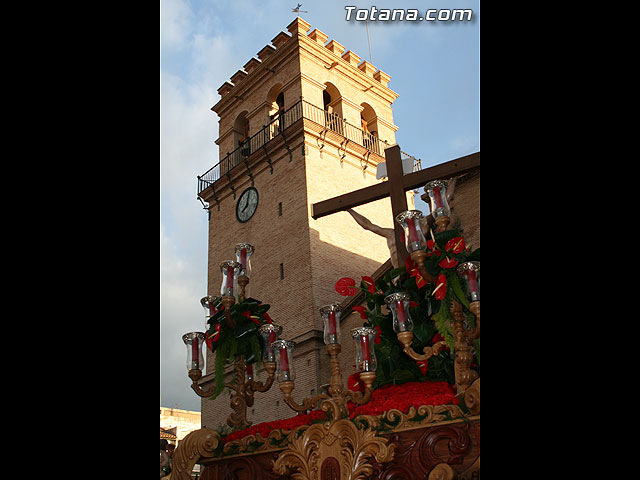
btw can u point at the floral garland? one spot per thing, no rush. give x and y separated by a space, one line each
243 340
286 424
403 397
429 308
388 397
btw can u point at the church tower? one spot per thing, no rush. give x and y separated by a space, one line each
303 122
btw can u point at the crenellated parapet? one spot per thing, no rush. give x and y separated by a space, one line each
301 28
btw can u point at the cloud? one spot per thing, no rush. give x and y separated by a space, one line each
181 287
175 23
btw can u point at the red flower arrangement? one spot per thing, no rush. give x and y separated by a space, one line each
402 397
287 424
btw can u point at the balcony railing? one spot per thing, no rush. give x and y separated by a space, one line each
301 109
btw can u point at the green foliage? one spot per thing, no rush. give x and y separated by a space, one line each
431 315
243 340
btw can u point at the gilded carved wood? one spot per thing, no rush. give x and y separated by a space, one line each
309 457
193 448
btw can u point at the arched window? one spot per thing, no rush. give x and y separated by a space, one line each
275 102
241 137
332 103
369 123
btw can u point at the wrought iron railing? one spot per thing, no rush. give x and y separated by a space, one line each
301 109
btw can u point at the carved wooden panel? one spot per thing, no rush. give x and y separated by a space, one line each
437 452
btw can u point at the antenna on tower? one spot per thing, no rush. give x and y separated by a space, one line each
297 10
368 41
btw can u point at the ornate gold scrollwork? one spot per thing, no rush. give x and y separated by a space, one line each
340 439
195 446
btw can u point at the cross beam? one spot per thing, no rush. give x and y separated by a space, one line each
395 188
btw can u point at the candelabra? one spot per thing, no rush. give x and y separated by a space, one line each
337 396
235 280
416 245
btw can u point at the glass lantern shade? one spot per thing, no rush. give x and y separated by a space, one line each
243 257
208 303
193 341
230 270
269 333
470 272
413 236
365 353
437 192
331 321
283 350
398 303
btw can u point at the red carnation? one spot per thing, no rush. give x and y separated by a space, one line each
362 310
371 285
346 287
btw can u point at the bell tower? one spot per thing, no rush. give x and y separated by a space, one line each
301 122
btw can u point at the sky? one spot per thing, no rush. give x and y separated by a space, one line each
434 67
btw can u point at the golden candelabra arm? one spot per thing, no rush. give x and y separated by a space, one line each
307 404
407 337
363 397
229 302
418 257
442 223
475 309
243 281
463 348
195 375
270 368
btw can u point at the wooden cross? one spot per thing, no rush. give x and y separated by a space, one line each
395 188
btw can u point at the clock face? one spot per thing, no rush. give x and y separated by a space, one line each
247 204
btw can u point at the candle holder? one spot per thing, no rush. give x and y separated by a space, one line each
336 396
229 287
193 341
234 274
243 257
464 335
208 303
269 334
398 304
331 323
415 240
437 192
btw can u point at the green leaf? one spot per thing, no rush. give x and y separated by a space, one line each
454 283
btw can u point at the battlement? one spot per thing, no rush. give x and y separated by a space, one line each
300 27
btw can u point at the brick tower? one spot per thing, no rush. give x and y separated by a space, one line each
303 122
